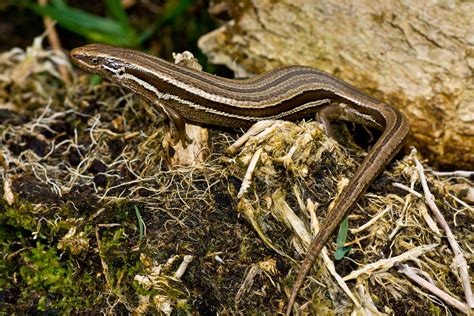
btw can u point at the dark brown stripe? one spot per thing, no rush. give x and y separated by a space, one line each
248 89
297 100
250 86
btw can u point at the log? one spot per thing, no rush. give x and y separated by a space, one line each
415 55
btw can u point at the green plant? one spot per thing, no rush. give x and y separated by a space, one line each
46 276
341 240
114 30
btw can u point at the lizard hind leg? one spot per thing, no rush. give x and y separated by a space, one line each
345 112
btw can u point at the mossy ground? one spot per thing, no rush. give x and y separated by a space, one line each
93 204
94 219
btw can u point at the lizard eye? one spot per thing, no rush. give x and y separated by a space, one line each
95 61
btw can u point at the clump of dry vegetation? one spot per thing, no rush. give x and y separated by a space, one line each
94 218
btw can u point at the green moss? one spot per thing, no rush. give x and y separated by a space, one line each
18 216
434 310
45 278
183 308
43 274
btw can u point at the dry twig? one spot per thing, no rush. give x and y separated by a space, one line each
459 259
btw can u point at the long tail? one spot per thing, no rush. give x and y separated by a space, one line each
378 157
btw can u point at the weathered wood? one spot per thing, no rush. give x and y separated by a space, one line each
416 55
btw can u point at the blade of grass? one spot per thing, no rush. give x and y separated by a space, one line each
58 3
341 240
94 28
173 9
141 223
116 10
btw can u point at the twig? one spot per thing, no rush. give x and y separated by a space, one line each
248 175
183 266
370 222
385 264
457 173
459 259
410 273
408 189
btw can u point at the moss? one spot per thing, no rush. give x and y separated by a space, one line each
33 274
41 272
50 280
19 217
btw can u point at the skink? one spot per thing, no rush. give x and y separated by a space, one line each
288 93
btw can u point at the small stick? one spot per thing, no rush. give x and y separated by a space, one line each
410 273
459 259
